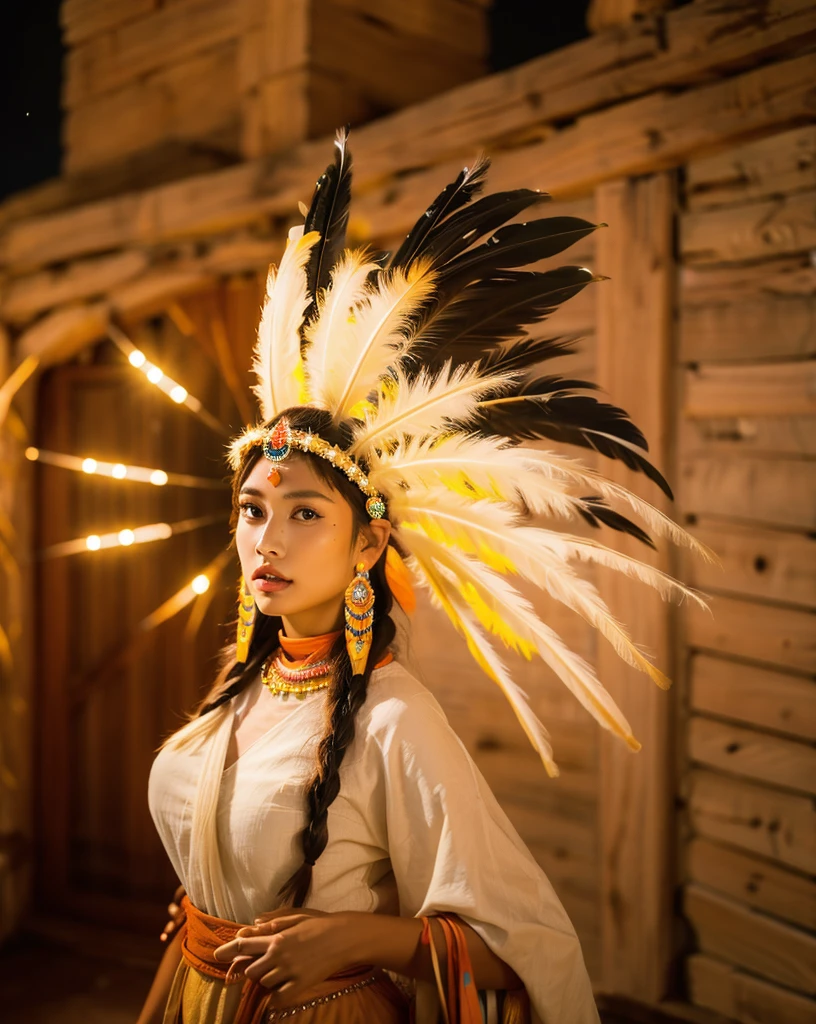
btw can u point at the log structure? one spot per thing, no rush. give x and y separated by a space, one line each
687 869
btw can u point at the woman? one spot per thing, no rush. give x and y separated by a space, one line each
320 789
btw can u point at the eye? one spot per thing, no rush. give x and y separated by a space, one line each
309 514
244 505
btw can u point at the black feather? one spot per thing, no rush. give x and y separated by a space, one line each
328 215
473 222
547 407
596 512
458 193
514 245
470 325
523 354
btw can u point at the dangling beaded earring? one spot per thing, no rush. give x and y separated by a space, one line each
246 622
359 619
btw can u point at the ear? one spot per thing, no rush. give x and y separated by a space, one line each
372 541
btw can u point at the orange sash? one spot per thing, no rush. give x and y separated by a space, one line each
203 934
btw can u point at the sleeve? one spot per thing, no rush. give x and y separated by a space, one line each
453 849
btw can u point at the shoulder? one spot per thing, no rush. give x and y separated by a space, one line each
398 707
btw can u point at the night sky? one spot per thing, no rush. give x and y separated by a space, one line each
31 66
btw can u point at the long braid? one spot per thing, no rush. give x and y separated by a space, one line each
346 697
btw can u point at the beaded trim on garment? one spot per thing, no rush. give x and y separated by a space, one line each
276 1015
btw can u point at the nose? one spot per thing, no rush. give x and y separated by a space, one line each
270 542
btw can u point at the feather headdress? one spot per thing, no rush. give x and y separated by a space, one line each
429 362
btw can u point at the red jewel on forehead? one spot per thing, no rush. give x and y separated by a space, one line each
274 476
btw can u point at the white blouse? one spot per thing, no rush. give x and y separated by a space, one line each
415 830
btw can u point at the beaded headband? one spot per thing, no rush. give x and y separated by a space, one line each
278 442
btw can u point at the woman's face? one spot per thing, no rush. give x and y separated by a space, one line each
301 532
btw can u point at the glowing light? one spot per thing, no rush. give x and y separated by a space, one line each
126 537
93 543
32 453
178 394
200 584
119 471
154 375
137 358
158 477
89 465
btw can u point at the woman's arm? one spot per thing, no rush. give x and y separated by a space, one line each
394 943
153 1009
295 949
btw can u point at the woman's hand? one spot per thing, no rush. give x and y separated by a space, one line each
288 950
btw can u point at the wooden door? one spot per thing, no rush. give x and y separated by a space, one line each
107 692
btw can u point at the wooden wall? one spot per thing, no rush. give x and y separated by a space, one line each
747 460
177 85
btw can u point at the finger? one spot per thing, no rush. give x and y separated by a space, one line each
280 912
237 969
253 946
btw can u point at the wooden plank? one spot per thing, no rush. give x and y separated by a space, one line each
733 438
743 997
81 19
767 389
753 327
163 38
753 754
24 297
606 14
633 339
758 696
741 936
752 817
759 563
779 492
777 165
194 100
754 631
752 881
752 231
785 276
463 26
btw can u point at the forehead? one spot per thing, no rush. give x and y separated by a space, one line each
295 471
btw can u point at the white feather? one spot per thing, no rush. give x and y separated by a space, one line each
380 336
334 332
489 530
514 610
446 596
425 405
276 356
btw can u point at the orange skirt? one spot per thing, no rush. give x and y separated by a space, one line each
199 995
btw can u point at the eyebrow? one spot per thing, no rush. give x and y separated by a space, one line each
290 495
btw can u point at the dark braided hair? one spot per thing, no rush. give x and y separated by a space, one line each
347 692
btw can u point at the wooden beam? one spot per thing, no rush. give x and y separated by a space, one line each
605 14
660 130
758 696
159 39
741 996
81 19
753 881
744 937
774 824
784 437
633 364
765 633
777 565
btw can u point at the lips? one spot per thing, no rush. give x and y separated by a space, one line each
271 571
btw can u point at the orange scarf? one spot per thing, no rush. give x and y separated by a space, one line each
300 649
